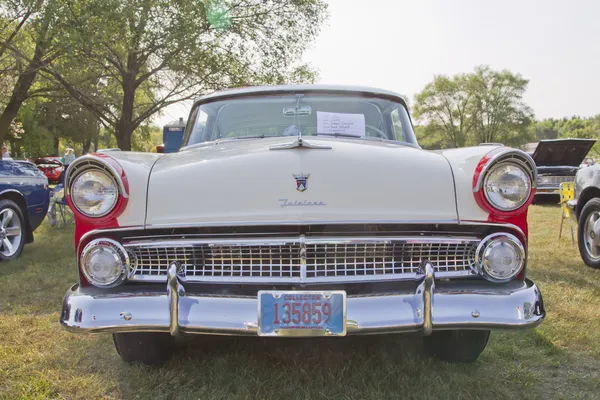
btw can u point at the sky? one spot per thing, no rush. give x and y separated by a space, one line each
401 45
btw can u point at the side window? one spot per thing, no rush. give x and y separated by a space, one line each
194 129
187 136
397 126
199 124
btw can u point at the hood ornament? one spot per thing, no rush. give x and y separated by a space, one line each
299 143
301 181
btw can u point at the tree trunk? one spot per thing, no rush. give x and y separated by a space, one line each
56 142
85 146
14 148
123 140
125 125
96 138
24 82
10 112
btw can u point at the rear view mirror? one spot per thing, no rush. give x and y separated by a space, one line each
291 111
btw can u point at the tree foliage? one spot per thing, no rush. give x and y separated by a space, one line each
480 107
29 31
574 127
153 53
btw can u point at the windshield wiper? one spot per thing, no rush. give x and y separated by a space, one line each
244 137
345 135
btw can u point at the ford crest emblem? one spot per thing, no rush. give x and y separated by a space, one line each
301 182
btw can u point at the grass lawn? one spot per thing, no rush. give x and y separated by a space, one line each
559 359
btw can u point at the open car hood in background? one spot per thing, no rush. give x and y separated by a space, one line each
562 152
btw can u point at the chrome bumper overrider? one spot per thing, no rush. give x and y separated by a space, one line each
431 306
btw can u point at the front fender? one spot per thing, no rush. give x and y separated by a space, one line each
463 162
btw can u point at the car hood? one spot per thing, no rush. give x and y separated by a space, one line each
562 152
248 182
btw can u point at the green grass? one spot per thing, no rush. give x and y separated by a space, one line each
559 359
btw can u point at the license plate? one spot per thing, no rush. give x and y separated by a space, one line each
301 313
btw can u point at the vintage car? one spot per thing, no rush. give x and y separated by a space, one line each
24 201
585 211
52 167
558 160
587 162
302 211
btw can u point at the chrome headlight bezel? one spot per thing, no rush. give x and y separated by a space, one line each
527 182
80 207
118 251
482 261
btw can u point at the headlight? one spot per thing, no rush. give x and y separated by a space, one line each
105 263
94 193
500 257
507 186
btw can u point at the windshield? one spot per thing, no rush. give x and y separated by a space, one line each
353 116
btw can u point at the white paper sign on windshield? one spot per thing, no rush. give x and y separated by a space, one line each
329 123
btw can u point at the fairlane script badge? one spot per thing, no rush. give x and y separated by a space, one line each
301 181
303 203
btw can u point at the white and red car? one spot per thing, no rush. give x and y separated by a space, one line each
302 211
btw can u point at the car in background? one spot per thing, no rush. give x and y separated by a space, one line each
24 201
588 162
557 161
301 211
585 211
52 167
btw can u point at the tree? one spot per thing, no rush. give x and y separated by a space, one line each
545 129
444 107
582 128
497 110
481 107
22 56
153 53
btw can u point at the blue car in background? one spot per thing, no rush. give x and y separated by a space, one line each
24 201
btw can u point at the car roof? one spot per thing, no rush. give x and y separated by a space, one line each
298 88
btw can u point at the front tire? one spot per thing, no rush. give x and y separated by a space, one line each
12 230
588 233
150 348
461 346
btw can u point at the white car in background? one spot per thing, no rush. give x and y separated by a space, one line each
302 211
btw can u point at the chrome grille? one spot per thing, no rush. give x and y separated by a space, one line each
386 258
280 261
554 180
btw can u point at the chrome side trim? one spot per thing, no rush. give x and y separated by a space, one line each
506 152
301 239
150 227
308 281
296 222
90 160
15 179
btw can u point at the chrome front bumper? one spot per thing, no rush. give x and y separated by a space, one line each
429 307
